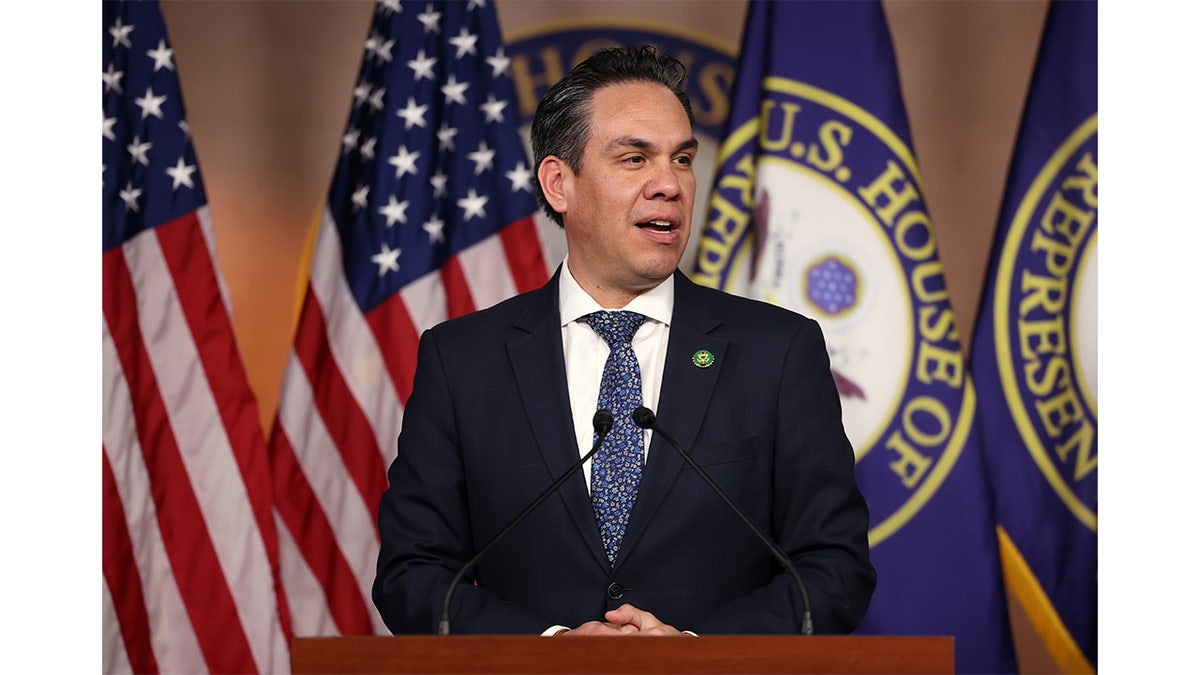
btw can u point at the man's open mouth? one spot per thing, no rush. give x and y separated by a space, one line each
657 225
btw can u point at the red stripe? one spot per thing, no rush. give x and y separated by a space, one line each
199 294
397 336
300 511
458 293
194 562
348 426
523 250
121 575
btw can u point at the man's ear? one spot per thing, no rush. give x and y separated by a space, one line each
555 177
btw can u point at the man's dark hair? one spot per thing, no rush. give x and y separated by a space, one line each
562 122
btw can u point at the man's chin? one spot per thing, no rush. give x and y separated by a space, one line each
655 274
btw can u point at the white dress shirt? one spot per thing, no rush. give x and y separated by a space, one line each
585 352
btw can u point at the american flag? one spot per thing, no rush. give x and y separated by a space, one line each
429 216
189 545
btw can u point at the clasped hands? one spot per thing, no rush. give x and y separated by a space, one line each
625 620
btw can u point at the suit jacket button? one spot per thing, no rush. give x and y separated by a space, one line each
615 591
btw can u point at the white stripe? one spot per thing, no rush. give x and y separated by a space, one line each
115 660
322 466
210 240
352 343
172 639
425 300
306 597
489 277
206 450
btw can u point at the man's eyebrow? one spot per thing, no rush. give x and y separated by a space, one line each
643 144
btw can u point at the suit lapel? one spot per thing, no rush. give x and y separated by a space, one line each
537 359
682 403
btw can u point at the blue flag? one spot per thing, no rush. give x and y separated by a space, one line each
1034 355
817 206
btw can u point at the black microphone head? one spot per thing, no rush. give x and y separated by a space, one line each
643 417
602 422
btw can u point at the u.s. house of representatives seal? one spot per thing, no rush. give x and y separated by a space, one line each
828 219
1045 317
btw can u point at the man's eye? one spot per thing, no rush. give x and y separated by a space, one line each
684 160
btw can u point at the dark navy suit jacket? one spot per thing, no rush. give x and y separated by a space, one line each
488 427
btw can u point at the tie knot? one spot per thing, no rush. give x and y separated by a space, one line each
616 328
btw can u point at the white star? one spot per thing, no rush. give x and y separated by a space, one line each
181 174
390 7
446 137
520 178
476 4
465 41
422 67
130 196
394 211
161 56
454 90
493 110
183 126
386 259
361 93
434 227
120 33
112 79
472 205
384 51
368 148
499 62
404 161
108 128
360 197
377 98
350 140
412 114
137 151
150 104
431 19
482 158
438 181
378 47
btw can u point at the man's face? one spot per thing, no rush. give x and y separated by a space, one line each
627 213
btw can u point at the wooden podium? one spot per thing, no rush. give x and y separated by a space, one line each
709 654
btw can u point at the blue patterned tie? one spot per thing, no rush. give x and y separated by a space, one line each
617 468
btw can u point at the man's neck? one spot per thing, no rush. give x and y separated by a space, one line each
610 297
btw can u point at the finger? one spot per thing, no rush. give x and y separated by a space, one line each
661 630
625 616
594 628
628 614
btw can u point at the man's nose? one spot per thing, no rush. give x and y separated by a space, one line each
664 182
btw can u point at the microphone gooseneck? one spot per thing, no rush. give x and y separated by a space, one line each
602 423
645 418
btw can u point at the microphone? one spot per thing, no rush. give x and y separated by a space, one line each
602 423
644 418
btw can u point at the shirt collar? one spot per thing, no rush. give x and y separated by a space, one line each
574 303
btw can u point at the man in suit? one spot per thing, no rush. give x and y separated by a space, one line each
503 402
